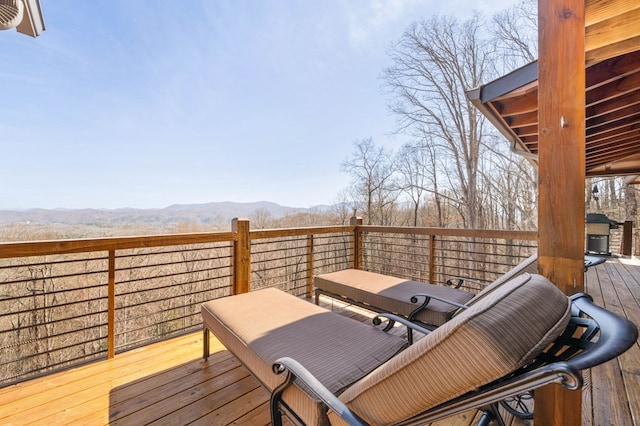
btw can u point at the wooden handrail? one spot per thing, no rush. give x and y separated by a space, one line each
292 232
451 232
43 248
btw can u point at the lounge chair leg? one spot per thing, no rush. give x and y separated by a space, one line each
486 419
490 414
317 297
205 342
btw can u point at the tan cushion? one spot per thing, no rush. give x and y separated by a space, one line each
264 325
385 293
500 333
529 265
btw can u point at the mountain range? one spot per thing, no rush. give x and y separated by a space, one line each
215 213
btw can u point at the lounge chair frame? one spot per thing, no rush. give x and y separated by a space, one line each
593 336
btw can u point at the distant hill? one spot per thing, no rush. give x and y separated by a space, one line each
220 213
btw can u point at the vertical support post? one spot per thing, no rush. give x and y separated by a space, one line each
432 258
241 257
561 172
111 306
310 265
357 242
627 238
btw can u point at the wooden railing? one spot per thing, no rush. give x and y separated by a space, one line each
67 302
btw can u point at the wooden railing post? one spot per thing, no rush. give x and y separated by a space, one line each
310 265
241 257
357 243
111 306
627 238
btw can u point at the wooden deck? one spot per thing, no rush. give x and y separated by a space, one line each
169 384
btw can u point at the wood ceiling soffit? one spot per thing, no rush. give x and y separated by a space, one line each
613 105
613 89
523 120
600 10
612 69
618 126
624 150
620 161
631 112
617 49
527 131
623 165
612 134
518 105
596 153
612 140
609 37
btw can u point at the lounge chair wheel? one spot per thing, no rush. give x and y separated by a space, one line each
520 406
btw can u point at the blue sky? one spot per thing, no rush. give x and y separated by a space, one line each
148 103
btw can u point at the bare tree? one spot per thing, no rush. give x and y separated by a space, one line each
411 166
434 63
261 218
372 174
515 35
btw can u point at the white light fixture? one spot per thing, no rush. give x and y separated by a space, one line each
11 13
24 15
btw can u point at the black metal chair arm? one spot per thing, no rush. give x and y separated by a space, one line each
429 297
456 282
559 372
296 371
616 334
402 320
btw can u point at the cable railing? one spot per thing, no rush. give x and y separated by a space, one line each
67 302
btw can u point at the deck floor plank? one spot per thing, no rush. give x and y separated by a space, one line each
168 383
608 408
628 290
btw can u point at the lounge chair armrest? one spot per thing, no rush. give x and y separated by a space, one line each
295 370
428 297
392 319
456 282
402 320
616 334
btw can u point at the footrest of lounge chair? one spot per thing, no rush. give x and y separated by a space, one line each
384 293
262 326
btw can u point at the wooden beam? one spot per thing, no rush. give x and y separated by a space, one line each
561 172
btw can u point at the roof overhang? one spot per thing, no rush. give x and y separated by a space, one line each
612 107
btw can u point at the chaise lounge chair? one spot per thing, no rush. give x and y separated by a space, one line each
340 371
383 293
